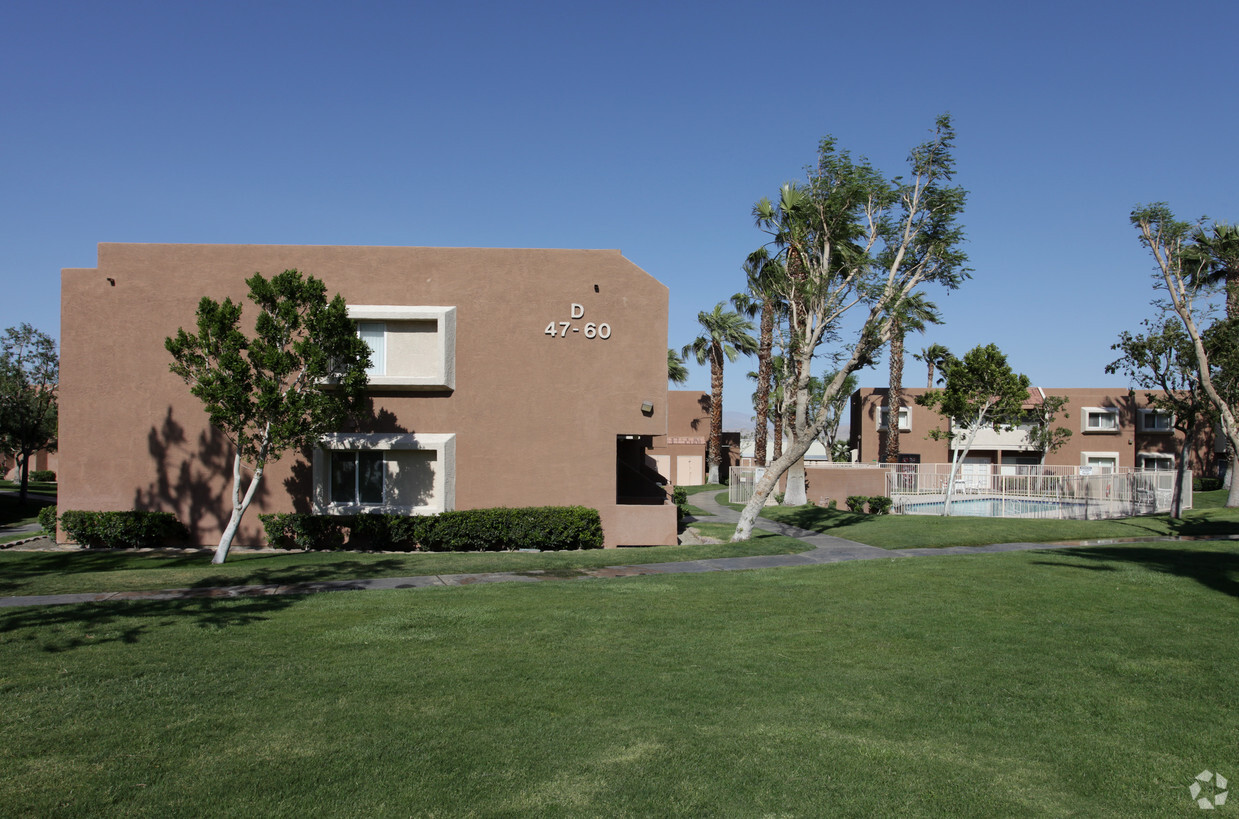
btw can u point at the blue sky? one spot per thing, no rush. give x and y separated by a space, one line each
648 127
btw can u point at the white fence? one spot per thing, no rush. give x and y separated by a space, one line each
1068 493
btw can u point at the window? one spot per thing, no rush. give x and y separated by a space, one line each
411 348
1155 420
884 418
1101 419
1098 463
396 473
1155 461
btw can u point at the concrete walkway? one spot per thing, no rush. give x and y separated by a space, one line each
826 549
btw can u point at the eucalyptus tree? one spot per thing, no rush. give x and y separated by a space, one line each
761 300
932 357
911 314
981 391
725 334
29 381
1178 268
854 243
301 375
1162 358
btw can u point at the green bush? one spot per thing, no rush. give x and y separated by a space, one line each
856 503
42 476
473 530
679 496
47 519
123 530
879 505
1206 484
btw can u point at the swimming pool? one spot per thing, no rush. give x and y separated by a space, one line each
999 508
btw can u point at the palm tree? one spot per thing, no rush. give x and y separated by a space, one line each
726 334
762 274
932 357
1213 258
677 373
911 314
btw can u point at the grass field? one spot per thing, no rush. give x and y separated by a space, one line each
1095 682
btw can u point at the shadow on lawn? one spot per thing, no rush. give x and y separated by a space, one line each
63 628
292 575
1217 570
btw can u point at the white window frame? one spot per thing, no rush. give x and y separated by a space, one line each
443 445
1142 457
442 374
1112 456
1145 415
905 418
1111 412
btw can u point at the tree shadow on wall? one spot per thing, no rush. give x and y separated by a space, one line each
184 474
416 473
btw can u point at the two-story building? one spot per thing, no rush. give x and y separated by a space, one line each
501 378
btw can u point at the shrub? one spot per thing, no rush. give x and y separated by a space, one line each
856 503
47 519
472 530
879 505
679 496
121 530
1206 484
42 476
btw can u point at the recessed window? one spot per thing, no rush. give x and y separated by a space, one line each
884 418
1100 419
410 347
1155 420
1098 463
1156 461
398 473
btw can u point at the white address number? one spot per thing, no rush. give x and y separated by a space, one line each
590 330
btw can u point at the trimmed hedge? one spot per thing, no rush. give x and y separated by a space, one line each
546 528
1207 484
42 476
47 519
123 530
880 505
856 503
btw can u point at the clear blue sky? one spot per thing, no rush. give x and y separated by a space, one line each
648 127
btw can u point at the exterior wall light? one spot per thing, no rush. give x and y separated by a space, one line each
647 408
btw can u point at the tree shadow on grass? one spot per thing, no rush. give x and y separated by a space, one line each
817 519
1214 569
56 629
288 575
40 564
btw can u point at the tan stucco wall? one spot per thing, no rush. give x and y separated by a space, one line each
688 434
535 417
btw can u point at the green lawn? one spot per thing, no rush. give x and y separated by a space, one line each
1209 519
13 513
26 573
1095 682
32 486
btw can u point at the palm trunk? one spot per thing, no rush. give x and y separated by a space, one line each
714 456
896 393
761 399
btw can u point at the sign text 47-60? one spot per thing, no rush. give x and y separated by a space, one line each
589 329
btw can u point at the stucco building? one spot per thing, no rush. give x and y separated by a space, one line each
681 456
501 378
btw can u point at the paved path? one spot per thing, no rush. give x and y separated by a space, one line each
826 549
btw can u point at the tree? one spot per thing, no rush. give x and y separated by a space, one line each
1177 269
932 357
1212 259
981 391
853 241
29 379
1162 358
301 375
724 335
834 410
1043 436
761 275
677 373
911 314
